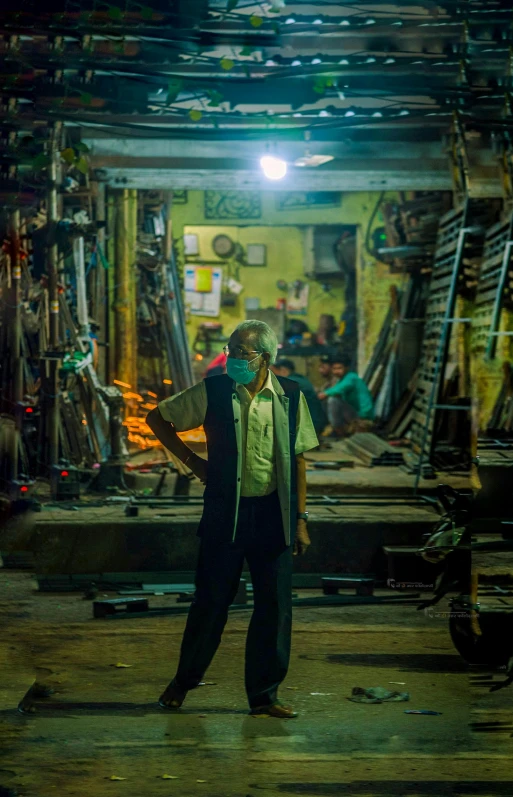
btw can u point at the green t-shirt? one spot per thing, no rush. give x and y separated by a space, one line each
352 388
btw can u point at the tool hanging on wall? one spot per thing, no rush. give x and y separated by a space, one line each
208 333
160 288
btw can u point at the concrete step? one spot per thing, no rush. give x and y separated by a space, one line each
345 539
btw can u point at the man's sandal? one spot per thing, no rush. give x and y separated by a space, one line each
173 697
276 709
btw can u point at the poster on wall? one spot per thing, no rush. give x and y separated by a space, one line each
203 291
297 298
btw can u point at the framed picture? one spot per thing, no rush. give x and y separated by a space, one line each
256 255
307 199
191 244
180 196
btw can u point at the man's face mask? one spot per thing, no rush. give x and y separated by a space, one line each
239 370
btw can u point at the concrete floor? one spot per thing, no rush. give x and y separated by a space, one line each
103 720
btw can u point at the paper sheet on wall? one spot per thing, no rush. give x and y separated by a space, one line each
207 304
297 299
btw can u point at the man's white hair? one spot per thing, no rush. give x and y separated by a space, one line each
265 337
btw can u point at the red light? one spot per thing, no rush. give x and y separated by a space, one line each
29 409
64 473
24 489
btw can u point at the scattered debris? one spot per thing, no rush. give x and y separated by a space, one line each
169 777
334 464
417 711
321 694
399 683
115 777
376 694
122 666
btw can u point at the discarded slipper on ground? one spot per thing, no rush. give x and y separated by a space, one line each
376 694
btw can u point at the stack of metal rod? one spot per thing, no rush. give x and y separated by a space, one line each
373 451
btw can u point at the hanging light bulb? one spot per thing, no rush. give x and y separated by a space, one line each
273 168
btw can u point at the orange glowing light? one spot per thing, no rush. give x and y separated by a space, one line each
123 384
135 396
193 435
168 381
153 395
198 357
149 406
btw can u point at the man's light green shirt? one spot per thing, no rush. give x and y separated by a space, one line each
187 410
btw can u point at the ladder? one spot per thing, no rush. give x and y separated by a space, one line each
460 238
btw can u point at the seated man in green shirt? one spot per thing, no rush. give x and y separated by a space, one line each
349 404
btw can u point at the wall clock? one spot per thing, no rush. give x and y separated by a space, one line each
223 246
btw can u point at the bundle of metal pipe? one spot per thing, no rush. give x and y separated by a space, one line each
373 451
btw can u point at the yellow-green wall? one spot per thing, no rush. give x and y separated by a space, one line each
488 375
283 234
284 246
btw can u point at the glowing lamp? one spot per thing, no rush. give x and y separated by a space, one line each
273 168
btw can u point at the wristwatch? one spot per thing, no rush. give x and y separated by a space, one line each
302 515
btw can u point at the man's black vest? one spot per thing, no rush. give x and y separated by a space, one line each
220 496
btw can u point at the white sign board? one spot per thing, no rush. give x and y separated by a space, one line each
207 304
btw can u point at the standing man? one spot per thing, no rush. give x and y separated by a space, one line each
349 403
287 369
257 427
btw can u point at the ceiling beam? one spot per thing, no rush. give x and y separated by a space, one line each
241 165
104 150
296 180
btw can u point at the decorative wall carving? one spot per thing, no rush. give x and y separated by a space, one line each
233 205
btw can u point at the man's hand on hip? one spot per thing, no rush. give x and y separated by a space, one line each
302 541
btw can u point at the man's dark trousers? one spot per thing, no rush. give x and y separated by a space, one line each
259 540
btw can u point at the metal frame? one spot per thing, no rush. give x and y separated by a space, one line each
441 351
491 346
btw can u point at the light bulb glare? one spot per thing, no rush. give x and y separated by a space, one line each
273 168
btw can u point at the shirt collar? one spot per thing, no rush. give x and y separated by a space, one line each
268 384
